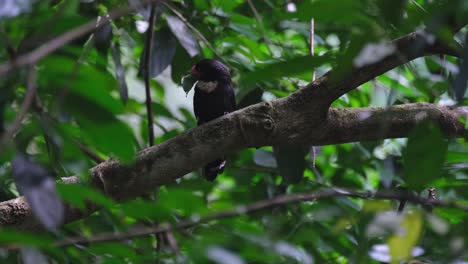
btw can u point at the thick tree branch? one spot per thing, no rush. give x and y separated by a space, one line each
252 126
302 118
374 123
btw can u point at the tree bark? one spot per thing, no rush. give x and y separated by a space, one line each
303 118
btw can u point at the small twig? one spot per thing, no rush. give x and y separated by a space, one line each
312 53
420 7
312 43
172 242
147 73
260 24
401 206
25 106
258 206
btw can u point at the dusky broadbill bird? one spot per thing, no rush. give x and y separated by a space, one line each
214 97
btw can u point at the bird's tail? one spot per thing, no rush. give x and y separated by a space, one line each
212 169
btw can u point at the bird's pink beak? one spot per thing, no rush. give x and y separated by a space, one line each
195 70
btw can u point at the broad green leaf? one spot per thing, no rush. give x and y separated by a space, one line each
162 53
249 96
181 64
120 72
243 25
202 4
116 249
227 6
185 202
460 84
184 35
23 238
110 135
402 244
78 195
392 11
63 75
140 209
424 156
457 157
291 162
454 216
69 7
161 110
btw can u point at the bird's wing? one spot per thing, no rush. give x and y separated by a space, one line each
197 105
230 100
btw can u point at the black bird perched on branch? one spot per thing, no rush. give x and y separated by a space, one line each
214 97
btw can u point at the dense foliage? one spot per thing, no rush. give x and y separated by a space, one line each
91 99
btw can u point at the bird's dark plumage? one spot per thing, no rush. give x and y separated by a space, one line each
214 97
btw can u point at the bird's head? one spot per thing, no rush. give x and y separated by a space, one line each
211 70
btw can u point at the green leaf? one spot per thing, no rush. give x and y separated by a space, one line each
164 47
69 7
109 134
184 35
181 64
243 25
454 216
120 72
185 202
78 195
424 156
291 162
202 4
161 110
392 11
117 250
23 238
402 244
140 209
249 96
457 157
227 6
64 75
460 84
